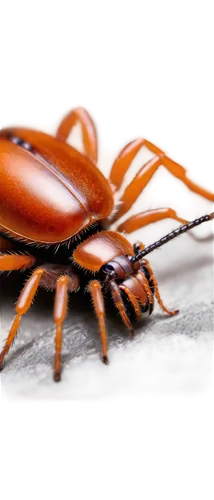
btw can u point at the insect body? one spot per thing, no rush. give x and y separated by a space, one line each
56 212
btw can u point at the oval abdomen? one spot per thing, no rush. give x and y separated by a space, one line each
49 191
34 203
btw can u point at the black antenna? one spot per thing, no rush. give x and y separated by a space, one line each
171 236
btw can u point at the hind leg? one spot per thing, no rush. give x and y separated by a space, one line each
89 134
161 163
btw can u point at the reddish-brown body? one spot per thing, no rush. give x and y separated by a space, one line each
50 196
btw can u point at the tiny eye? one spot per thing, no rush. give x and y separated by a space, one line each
108 268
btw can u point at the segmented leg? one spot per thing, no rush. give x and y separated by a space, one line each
144 218
89 133
135 188
132 299
144 282
23 304
60 311
135 287
63 283
14 262
48 277
157 293
123 162
97 297
120 305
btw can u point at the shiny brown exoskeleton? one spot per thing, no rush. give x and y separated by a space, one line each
56 210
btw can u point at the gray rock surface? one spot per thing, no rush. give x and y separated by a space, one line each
167 354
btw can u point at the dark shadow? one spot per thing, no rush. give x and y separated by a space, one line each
21 350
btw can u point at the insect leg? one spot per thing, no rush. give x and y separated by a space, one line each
60 311
23 304
123 162
95 290
89 133
143 280
157 293
120 305
63 280
13 262
132 299
144 218
135 188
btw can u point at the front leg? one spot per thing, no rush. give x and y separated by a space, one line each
60 311
49 277
149 281
63 280
95 290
